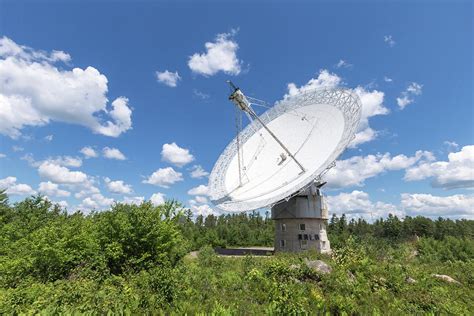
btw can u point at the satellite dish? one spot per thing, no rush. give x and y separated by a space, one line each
284 150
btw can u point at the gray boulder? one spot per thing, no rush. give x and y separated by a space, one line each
410 280
318 266
445 278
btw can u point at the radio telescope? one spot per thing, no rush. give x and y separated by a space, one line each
277 161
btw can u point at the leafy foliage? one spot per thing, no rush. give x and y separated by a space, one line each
131 260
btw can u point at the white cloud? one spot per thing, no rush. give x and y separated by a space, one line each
157 199
199 190
62 204
220 55
387 79
164 177
389 40
201 95
457 172
406 96
87 189
60 174
372 102
65 161
36 92
52 189
343 64
176 155
49 138
113 153
2 155
325 79
403 101
355 170
95 202
88 152
59 55
429 205
203 210
201 199
137 200
118 187
358 203
16 148
372 105
13 188
168 78
452 145
197 172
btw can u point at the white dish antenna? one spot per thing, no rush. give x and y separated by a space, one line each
284 150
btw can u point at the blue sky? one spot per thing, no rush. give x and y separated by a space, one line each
412 63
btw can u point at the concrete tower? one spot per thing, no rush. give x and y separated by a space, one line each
300 222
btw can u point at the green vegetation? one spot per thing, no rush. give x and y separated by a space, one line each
132 260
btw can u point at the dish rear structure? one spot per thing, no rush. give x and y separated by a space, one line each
277 161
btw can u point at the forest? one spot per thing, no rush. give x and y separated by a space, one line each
135 259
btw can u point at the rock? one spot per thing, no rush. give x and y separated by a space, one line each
410 280
413 254
445 278
318 266
294 267
351 276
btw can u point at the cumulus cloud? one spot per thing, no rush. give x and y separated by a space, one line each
387 79
88 152
113 153
35 92
168 78
136 200
65 161
48 138
389 40
200 199
406 97
87 189
358 203
204 210
60 174
197 172
118 187
355 170
457 172
2 155
9 184
429 205
372 102
52 189
164 177
157 199
95 202
343 64
325 79
176 155
220 55
199 190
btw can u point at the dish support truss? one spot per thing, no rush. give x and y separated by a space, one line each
343 99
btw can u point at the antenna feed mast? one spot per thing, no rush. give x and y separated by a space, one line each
239 99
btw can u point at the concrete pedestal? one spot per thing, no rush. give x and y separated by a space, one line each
300 223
